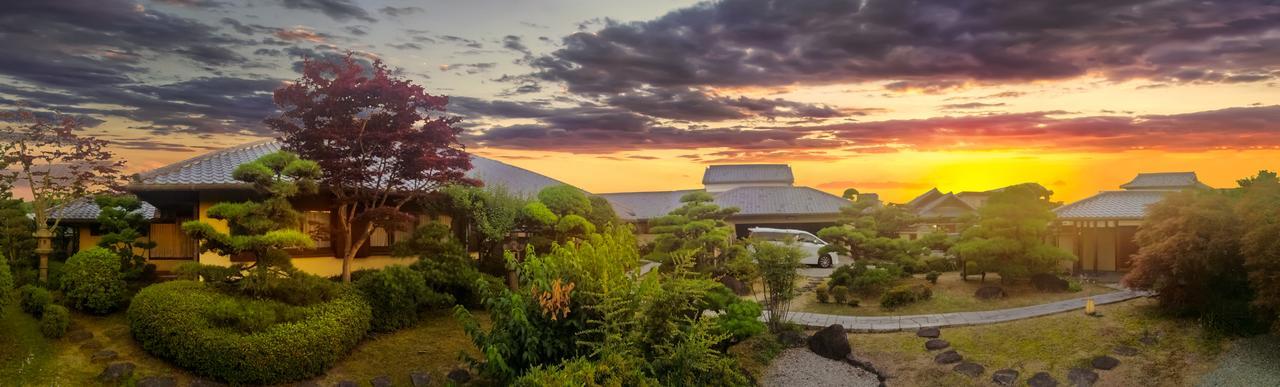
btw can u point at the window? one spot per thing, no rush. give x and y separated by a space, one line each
316 225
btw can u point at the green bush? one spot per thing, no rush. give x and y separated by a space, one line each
932 277
171 321
906 294
195 271
445 265
971 268
940 264
300 289
854 302
34 299
92 281
1074 286
54 322
249 316
874 280
6 284
821 293
840 294
741 320
398 296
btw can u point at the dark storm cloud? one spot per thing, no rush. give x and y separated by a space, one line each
696 106
340 10
400 11
514 43
217 56
193 3
770 43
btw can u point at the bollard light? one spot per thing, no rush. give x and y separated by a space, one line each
1089 307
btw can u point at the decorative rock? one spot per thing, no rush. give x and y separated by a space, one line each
948 357
420 379
1148 340
1105 362
969 369
735 285
791 339
930 332
1125 350
79 335
118 332
381 381
158 381
1004 377
116 372
459 376
1081 377
990 293
831 342
935 344
1049 283
1042 379
92 345
104 355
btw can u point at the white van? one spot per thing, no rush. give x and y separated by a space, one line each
806 241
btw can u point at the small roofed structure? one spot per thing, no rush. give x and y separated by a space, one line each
720 178
944 212
1099 229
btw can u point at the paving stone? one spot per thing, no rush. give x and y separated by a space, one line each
1105 362
116 372
91 345
158 381
969 369
104 356
931 332
1081 377
936 344
420 379
79 335
1125 350
948 357
118 332
1042 379
1004 377
381 381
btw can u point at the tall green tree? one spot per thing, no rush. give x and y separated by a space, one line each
1259 212
697 228
263 228
121 220
1011 233
16 228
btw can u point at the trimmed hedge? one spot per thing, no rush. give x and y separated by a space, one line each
55 321
398 296
92 281
33 299
171 321
904 295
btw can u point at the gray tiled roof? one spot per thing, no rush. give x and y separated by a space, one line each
748 173
1112 205
84 209
1164 180
213 170
750 200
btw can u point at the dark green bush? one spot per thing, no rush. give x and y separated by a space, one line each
6 284
250 316
195 271
34 299
445 265
92 281
840 294
821 293
940 264
300 289
932 277
398 296
171 321
906 294
54 322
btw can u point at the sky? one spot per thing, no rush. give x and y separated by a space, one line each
885 96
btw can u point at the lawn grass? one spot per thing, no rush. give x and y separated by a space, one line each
1183 353
950 294
433 346
26 357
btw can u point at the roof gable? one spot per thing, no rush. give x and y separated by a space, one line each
1112 205
1164 180
748 173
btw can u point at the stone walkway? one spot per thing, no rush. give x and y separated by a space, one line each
911 323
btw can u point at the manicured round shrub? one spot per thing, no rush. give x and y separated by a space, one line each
821 292
840 294
176 321
6 284
398 295
33 299
92 282
932 277
906 294
55 321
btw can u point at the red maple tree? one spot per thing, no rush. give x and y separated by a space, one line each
381 141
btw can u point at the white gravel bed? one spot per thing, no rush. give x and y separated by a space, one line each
801 367
1254 361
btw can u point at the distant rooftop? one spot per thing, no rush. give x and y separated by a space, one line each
1164 181
748 173
1112 205
749 200
84 209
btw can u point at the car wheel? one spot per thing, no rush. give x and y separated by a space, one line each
824 261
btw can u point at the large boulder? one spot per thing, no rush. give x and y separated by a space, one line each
831 342
989 293
737 286
1046 282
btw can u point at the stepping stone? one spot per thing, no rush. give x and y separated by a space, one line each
1125 350
206 383
1042 379
348 383
116 372
935 344
158 381
381 381
420 379
1081 377
969 369
459 376
118 332
1105 362
930 332
1004 377
92 345
948 357
103 356
79 335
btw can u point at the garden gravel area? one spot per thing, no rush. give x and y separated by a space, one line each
801 367
1253 361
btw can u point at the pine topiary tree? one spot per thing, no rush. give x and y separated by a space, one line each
697 228
121 220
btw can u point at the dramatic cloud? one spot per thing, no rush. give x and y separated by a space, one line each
400 11
340 10
971 105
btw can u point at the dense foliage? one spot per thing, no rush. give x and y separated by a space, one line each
778 265
444 264
865 278
54 321
1212 254
16 242
186 323
868 231
398 296
697 229
492 214
121 221
1010 237
6 284
905 294
92 281
34 299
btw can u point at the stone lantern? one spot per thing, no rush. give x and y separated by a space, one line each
44 246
